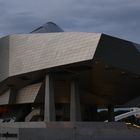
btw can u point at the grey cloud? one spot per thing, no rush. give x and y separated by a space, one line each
21 23
115 17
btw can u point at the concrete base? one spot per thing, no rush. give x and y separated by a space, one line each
69 131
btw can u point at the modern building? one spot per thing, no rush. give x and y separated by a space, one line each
53 84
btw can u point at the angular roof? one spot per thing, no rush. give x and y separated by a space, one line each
32 52
49 27
23 53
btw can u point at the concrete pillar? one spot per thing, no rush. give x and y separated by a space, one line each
75 110
111 114
49 109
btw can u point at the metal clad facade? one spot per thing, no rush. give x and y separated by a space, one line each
4 58
31 52
4 98
28 94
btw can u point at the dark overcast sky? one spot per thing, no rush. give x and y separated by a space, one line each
120 18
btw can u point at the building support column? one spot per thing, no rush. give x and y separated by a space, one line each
111 114
49 109
75 109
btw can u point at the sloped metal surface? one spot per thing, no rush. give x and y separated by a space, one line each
4 98
28 94
4 58
31 52
119 53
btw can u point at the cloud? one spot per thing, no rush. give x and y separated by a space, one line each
119 18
